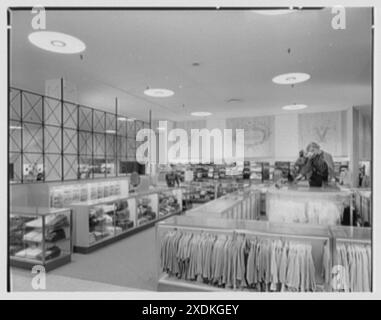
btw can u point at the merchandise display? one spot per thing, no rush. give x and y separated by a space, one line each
306 205
40 236
63 196
244 205
246 149
243 255
146 208
170 202
98 221
238 261
103 221
353 259
201 192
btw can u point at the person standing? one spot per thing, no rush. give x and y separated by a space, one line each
319 167
172 178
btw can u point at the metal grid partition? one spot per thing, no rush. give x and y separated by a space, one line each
55 140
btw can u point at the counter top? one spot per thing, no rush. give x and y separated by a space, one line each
36 211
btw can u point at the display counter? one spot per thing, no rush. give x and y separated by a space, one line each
202 272
103 221
40 236
293 204
237 205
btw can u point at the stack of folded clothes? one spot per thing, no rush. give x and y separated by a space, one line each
51 221
168 204
123 215
101 222
37 254
16 233
144 211
51 235
51 253
30 253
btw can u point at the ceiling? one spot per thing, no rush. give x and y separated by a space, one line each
239 52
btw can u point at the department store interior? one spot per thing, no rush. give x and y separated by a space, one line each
112 187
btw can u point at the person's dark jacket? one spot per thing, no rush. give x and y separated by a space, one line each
316 170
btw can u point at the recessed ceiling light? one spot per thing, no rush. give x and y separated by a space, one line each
122 119
274 12
294 107
159 93
201 114
111 131
15 127
56 42
291 78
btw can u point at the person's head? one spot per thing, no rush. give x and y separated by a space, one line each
312 149
301 153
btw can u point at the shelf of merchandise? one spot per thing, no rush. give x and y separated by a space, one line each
143 212
303 197
201 192
317 236
63 194
170 201
350 235
27 220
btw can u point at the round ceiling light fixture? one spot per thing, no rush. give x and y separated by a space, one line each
158 93
291 78
56 42
295 107
201 114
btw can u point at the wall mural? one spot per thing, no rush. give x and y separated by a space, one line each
259 135
328 129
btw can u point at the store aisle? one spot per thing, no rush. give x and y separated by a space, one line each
21 281
127 263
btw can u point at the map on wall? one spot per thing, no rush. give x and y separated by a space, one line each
328 129
259 135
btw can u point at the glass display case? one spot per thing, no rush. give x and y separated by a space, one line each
297 204
201 192
97 222
104 221
170 202
310 243
147 208
40 236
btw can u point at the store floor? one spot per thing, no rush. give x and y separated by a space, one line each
129 264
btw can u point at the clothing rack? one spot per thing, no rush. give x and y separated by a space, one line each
246 232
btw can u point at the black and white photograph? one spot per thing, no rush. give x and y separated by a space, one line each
217 151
